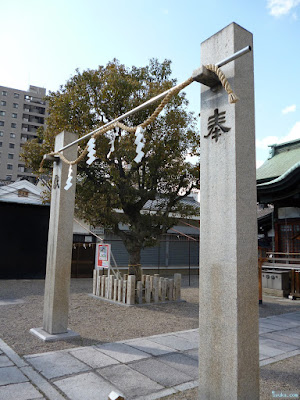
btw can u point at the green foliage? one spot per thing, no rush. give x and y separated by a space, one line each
108 186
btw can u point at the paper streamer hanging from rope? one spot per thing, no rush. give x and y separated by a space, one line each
140 143
112 146
69 180
91 151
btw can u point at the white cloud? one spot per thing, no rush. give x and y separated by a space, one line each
269 140
289 109
266 142
259 163
281 7
293 134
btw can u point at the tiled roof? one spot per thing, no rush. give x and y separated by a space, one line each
284 157
159 203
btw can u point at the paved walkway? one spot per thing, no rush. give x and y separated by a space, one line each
140 369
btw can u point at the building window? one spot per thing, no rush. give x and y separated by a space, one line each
9 166
1 123
13 125
15 105
2 113
16 95
10 156
14 115
21 168
4 93
1 133
12 135
8 177
3 103
23 193
0 144
11 145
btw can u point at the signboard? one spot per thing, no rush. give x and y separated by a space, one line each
98 230
102 256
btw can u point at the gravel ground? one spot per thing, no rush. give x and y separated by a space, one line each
98 322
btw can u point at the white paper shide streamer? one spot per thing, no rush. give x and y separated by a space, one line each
69 180
112 146
91 151
140 143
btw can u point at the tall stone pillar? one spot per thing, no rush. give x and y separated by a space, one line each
228 325
59 253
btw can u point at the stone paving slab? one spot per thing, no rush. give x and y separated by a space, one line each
192 337
294 332
282 338
277 345
292 316
175 342
11 375
263 330
122 352
268 352
279 358
42 384
182 362
270 326
5 361
194 353
284 323
86 386
130 382
56 364
157 366
93 357
20 391
149 346
12 355
160 372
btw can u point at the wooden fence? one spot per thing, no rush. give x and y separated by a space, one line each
151 289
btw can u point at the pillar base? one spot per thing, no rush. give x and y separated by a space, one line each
48 337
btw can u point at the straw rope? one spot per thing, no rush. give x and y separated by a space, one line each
232 98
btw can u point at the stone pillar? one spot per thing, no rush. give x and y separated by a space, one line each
147 291
228 323
160 283
106 290
98 286
177 287
124 291
120 287
155 288
139 289
102 293
131 290
94 281
59 253
170 290
164 289
115 289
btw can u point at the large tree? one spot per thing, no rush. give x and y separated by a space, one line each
114 190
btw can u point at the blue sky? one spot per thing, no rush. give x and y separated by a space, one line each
43 42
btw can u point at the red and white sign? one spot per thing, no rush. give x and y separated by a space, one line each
103 255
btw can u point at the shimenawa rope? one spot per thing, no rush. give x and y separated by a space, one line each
232 98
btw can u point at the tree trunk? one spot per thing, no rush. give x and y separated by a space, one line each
134 266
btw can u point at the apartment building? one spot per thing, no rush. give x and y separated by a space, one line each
21 114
